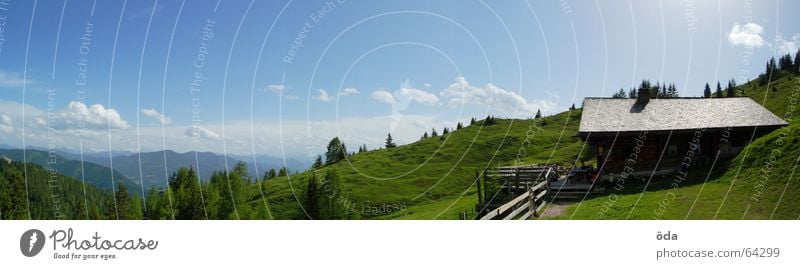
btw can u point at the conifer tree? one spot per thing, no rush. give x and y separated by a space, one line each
731 88
318 162
390 142
707 91
311 198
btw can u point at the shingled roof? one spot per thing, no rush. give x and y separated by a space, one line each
625 115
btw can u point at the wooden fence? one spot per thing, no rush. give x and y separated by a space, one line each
536 183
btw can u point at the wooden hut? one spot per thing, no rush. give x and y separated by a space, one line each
643 135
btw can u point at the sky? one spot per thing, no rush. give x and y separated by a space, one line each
282 78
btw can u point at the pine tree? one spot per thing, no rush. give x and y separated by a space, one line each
632 93
425 135
433 133
472 120
330 191
317 163
731 88
124 210
283 172
797 62
538 114
445 131
707 91
390 142
459 126
672 91
572 107
153 204
718 93
619 94
785 62
185 188
311 198
336 151
272 174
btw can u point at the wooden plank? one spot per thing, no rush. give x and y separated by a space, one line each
516 212
540 195
539 186
527 215
505 207
539 209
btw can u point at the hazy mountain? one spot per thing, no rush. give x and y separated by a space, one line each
92 173
156 167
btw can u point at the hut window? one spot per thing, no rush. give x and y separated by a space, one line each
672 150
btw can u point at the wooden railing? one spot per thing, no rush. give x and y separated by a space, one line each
528 204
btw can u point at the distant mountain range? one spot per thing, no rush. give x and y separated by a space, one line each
92 173
157 166
155 169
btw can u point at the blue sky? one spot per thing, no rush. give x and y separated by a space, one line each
274 73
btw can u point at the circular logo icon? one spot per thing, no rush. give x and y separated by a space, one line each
31 242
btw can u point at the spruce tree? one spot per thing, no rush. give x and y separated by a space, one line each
330 191
797 62
336 151
187 200
718 93
731 88
317 163
390 142
283 172
538 114
707 91
433 133
311 198
152 203
124 209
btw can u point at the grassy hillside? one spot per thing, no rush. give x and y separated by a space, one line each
760 183
433 178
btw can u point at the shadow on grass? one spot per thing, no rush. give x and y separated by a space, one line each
694 176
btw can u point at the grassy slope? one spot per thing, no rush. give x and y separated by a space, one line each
748 186
434 178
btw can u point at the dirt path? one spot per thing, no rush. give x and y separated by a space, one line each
555 210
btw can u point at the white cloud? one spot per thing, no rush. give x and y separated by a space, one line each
323 96
12 79
419 96
6 125
276 88
202 132
96 116
349 91
154 114
384 97
748 35
427 85
498 99
784 46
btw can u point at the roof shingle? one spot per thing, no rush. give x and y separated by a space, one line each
623 115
